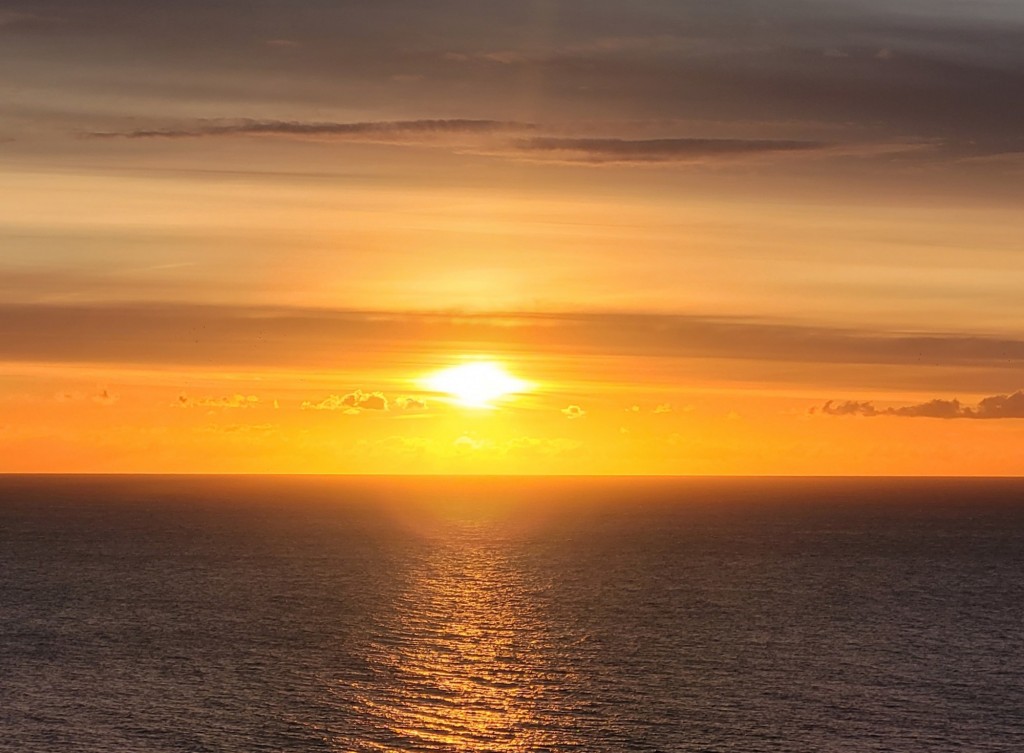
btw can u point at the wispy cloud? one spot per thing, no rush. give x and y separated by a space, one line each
229 401
102 397
994 407
504 139
400 131
601 150
561 142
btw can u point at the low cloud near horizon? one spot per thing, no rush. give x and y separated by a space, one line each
352 402
230 401
994 407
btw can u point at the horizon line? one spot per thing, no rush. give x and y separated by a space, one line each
661 476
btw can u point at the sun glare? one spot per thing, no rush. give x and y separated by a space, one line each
475 385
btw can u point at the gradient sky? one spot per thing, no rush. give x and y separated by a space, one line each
715 237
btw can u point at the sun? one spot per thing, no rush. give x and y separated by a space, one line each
476 384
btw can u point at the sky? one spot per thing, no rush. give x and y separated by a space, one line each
722 237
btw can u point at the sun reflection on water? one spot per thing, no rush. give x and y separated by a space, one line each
463 662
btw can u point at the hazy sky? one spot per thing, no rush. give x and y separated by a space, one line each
714 237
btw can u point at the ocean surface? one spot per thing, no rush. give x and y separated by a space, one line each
358 614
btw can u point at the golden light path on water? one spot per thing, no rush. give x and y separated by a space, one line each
464 660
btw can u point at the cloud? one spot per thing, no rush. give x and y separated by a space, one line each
242 428
925 78
103 397
492 138
847 408
611 150
994 407
410 403
953 71
574 411
164 334
660 409
231 401
485 137
516 446
391 131
331 402
352 402
364 401
1001 406
933 409
466 443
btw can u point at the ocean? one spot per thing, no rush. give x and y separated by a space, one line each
510 614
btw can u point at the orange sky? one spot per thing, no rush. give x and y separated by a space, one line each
711 239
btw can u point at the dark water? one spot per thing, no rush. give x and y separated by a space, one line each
218 614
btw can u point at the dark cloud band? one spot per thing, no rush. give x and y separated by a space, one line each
193 334
392 129
996 406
